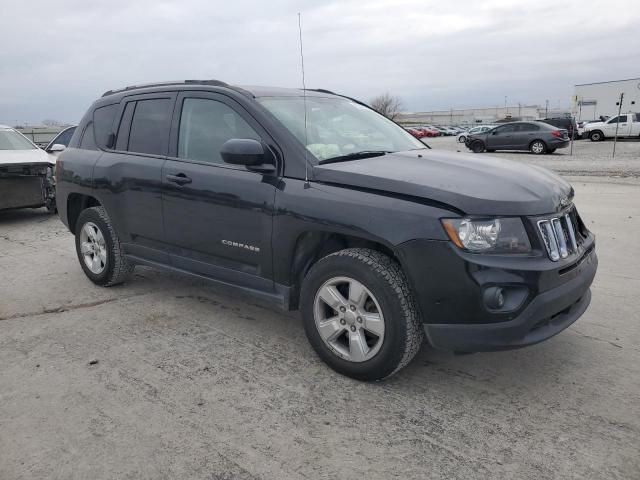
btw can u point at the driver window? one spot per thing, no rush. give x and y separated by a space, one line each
205 125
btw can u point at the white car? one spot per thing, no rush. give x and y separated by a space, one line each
26 173
462 137
627 125
60 141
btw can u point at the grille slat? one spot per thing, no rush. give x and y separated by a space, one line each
559 236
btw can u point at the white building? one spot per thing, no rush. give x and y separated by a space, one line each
593 100
474 116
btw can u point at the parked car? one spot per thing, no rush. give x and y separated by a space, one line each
583 123
26 173
537 137
462 137
568 124
628 125
375 238
60 142
429 131
416 132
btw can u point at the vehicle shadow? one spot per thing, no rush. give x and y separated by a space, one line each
24 215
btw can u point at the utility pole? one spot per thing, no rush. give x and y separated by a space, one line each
615 139
546 109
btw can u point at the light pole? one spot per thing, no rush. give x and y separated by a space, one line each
546 109
615 138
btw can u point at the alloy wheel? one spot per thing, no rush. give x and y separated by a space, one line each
349 319
93 248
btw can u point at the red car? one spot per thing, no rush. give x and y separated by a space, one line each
430 132
416 132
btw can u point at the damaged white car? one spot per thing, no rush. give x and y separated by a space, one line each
26 173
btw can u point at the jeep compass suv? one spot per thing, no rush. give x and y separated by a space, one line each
313 201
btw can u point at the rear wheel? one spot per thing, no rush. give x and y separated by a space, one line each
477 146
537 147
359 314
462 139
596 136
98 248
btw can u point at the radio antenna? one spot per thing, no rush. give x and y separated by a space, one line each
304 100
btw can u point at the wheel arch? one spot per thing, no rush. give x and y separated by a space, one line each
311 246
76 203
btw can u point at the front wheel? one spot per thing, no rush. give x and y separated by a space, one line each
462 139
596 136
537 147
99 250
359 314
477 146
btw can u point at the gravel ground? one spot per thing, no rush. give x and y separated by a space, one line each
165 377
589 158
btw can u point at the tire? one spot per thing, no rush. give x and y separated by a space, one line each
462 139
110 267
386 293
477 146
596 136
538 147
551 150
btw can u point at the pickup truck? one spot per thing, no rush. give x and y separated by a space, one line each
312 201
628 125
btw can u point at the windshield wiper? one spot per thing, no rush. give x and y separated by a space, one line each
355 156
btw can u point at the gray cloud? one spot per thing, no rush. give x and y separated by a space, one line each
59 56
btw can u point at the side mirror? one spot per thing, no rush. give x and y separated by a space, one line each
248 152
56 147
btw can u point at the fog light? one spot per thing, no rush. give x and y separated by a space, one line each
494 298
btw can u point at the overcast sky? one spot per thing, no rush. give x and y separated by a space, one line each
56 57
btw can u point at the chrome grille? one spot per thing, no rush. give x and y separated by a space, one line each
559 236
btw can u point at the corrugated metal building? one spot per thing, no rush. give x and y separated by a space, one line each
592 100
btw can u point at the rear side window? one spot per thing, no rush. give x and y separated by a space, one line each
102 124
205 125
528 127
150 126
64 138
620 119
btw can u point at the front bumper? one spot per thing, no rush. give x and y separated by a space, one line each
547 315
448 285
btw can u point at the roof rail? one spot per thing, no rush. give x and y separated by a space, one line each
216 83
324 90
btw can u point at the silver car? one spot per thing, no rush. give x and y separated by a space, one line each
462 136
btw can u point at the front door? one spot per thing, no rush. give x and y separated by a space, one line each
621 122
501 137
217 217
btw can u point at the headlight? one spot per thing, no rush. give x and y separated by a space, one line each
496 235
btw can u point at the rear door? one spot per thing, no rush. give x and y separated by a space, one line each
217 217
129 174
526 132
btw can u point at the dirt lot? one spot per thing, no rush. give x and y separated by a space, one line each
192 383
588 158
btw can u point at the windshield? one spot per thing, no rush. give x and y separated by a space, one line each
12 140
339 126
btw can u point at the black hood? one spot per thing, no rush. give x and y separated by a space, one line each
475 184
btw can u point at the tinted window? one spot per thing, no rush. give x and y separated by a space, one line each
637 117
204 127
88 141
102 124
63 138
122 141
150 127
528 127
506 128
620 119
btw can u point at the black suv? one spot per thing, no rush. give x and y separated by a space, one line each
316 202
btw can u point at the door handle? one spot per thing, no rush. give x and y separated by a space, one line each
180 179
